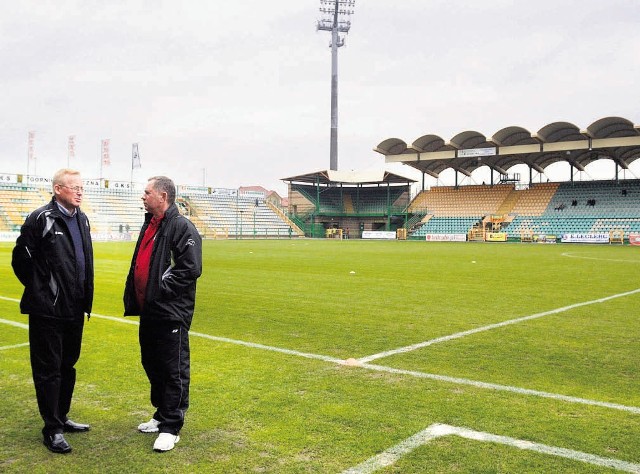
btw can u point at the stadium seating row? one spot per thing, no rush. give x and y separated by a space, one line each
117 211
550 208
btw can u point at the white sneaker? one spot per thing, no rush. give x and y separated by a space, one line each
165 442
150 426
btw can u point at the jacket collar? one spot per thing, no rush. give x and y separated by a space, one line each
171 212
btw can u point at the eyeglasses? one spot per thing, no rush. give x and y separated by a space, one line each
75 189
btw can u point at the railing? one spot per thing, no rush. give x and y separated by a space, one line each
247 232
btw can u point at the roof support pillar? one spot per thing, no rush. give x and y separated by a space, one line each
571 171
388 208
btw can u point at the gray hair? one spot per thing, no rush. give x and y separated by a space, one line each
165 185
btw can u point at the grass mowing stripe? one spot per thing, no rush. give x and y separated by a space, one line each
393 454
458 335
382 368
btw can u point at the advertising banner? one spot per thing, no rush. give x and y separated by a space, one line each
9 236
634 238
194 189
600 238
126 185
8 178
379 234
496 237
544 239
445 237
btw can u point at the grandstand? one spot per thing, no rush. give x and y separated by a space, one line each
16 202
117 213
550 209
358 202
228 213
545 208
338 203
322 201
515 208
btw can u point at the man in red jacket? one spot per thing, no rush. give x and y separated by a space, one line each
161 288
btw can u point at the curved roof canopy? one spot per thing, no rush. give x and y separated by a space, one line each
350 177
615 138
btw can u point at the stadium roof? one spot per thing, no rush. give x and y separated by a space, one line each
350 177
615 138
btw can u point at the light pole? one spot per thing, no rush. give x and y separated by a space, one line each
335 19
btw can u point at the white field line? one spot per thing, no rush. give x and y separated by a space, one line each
568 254
14 323
270 348
503 388
393 454
234 341
381 368
15 346
459 335
9 299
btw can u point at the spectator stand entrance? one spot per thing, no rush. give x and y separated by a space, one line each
344 204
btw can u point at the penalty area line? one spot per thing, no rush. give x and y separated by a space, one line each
393 454
503 388
509 322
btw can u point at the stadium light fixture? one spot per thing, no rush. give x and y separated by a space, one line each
336 19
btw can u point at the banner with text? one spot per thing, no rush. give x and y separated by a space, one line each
600 238
634 238
378 234
445 237
496 237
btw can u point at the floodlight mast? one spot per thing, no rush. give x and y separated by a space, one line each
336 20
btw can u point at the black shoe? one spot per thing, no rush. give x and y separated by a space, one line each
56 443
73 427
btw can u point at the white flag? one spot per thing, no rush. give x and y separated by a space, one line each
71 148
135 158
106 159
32 136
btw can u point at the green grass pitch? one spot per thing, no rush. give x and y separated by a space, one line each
274 320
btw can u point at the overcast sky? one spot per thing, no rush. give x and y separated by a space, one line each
237 93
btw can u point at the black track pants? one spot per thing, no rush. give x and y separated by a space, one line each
164 347
54 346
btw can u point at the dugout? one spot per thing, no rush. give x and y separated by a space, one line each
349 201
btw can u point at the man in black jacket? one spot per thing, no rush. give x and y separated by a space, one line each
161 288
53 259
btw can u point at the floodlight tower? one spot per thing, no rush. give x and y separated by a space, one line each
336 14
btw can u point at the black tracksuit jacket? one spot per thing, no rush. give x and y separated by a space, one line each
176 264
44 261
